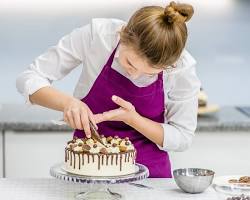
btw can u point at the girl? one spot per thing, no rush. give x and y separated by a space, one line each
137 80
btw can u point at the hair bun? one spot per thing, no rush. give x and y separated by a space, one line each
178 12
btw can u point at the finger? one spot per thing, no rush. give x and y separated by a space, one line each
85 123
70 119
99 118
121 102
112 115
92 118
77 119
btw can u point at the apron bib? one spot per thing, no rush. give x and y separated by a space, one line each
148 101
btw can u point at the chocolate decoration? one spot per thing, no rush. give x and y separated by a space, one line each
103 151
109 138
99 162
127 143
112 157
116 159
107 160
124 155
102 159
120 162
80 144
74 159
123 148
71 141
65 158
79 161
86 147
71 158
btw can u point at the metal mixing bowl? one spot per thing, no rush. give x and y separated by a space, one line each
193 180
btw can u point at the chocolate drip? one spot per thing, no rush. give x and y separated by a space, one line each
79 160
71 158
102 159
99 162
112 157
116 159
120 162
82 159
65 159
123 157
107 159
74 160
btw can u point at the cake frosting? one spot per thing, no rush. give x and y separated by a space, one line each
86 156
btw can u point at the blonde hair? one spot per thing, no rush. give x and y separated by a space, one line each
158 34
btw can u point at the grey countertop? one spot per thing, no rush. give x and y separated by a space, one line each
35 118
53 189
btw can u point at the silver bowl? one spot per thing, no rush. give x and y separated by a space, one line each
193 180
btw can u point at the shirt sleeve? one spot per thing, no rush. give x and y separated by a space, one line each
55 63
181 106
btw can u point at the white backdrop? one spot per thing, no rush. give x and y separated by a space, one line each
219 40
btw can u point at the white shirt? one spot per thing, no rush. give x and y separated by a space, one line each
89 47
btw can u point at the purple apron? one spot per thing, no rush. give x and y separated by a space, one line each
148 101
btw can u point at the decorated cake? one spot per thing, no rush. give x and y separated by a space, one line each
86 156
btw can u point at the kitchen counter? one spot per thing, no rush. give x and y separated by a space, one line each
21 118
53 189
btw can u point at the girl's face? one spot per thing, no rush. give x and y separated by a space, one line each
134 65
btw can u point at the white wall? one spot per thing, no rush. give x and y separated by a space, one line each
1 154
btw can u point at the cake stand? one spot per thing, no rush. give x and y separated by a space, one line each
98 185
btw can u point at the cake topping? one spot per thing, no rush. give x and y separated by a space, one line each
109 139
113 145
103 151
78 149
71 141
90 141
80 144
123 148
86 147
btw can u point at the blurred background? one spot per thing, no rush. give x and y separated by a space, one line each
218 39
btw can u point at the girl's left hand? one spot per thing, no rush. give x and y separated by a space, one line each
125 113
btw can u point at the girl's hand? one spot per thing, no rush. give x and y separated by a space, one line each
77 114
125 113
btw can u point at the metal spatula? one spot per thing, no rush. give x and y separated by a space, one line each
94 133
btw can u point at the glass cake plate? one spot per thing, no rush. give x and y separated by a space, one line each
101 190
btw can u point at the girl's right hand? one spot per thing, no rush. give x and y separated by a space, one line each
77 114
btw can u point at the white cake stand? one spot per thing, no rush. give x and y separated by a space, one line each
101 190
